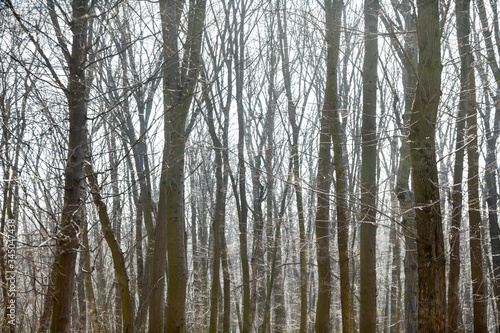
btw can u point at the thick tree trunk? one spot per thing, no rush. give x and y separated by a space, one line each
323 213
430 243
179 79
67 241
368 229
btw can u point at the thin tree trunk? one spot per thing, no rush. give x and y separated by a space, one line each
394 323
368 229
257 262
82 300
454 274
468 102
275 261
239 54
221 177
292 111
333 22
457 197
89 290
116 252
491 158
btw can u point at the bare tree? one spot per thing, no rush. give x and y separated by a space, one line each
430 243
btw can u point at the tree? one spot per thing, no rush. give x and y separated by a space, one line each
330 124
430 243
75 93
299 116
127 314
492 133
454 275
468 103
407 53
368 229
179 80
323 187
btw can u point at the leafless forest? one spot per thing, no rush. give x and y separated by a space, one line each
249 166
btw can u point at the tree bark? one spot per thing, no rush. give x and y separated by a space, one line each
67 240
333 22
89 290
368 229
119 264
430 243
491 158
404 194
179 79
457 197
468 102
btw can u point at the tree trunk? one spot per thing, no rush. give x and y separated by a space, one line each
430 243
368 229
468 102
329 129
116 252
179 79
292 112
239 55
395 326
221 177
456 217
89 290
67 241
491 158
333 22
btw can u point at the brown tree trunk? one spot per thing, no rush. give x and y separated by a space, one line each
457 197
292 111
468 102
89 290
219 246
179 79
408 56
118 257
430 243
368 229
333 21
240 185
67 241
